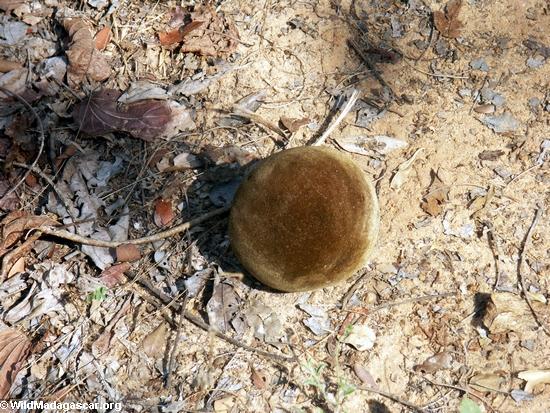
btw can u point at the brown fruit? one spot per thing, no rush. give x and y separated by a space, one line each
305 218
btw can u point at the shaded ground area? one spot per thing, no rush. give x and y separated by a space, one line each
122 119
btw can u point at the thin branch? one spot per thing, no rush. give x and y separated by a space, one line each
345 110
60 233
526 242
393 397
42 137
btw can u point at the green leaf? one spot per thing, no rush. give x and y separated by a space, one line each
469 406
98 295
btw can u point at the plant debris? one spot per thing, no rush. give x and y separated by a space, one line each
446 21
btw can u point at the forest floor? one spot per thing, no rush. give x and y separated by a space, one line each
126 118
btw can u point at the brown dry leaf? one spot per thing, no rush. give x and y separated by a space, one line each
155 341
217 36
436 362
100 114
14 349
259 379
7 202
164 213
127 253
8 5
176 36
18 267
447 22
437 195
364 375
485 382
489 155
229 154
482 202
402 171
102 38
534 377
8 66
16 225
114 275
84 59
293 124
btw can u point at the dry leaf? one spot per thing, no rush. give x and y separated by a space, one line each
114 275
508 312
14 349
362 337
8 5
176 36
224 405
485 382
447 22
127 253
102 38
100 114
164 213
7 202
402 171
489 155
84 59
8 66
17 224
293 124
228 154
436 362
217 36
437 195
533 377
155 341
18 267
259 379
364 375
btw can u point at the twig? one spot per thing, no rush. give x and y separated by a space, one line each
403 302
144 240
393 397
434 74
172 357
254 117
42 138
197 321
526 242
462 389
345 110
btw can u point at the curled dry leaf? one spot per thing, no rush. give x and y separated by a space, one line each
446 21
436 362
100 114
402 171
508 312
114 275
127 253
16 225
155 341
437 195
216 36
533 377
164 213
175 36
102 38
14 349
84 59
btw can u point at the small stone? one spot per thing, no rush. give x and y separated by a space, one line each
528 344
465 93
535 61
498 99
479 64
534 103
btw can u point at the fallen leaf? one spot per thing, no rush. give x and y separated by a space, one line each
176 36
223 305
259 379
402 171
164 213
17 267
504 123
436 197
224 405
127 253
485 108
362 337
216 36
8 5
489 155
17 224
294 124
229 154
447 22
533 378
100 114
371 145
102 38
8 66
7 202
485 382
505 312
155 341
114 275
364 375
15 81
84 59
436 362
14 349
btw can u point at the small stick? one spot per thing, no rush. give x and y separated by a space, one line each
393 397
526 242
346 109
42 137
60 233
462 389
172 357
197 321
